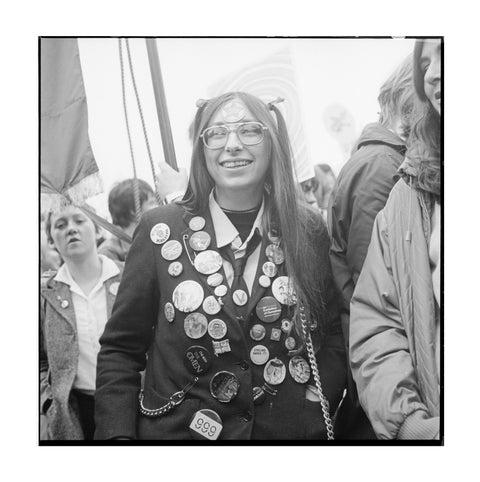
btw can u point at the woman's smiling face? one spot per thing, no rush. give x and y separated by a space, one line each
237 166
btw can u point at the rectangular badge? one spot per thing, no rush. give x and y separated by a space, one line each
206 426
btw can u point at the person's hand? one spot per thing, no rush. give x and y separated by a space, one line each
169 181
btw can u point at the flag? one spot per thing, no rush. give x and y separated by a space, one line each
67 165
271 78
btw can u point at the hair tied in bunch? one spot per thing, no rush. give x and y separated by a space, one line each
278 100
201 103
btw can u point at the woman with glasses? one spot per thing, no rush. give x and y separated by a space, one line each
227 299
395 324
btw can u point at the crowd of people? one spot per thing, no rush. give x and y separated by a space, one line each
251 307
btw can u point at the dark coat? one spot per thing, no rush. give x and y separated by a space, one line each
360 192
59 358
139 326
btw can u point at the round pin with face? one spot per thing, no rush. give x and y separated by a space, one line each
187 296
259 354
196 223
200 241
206 424
197 360
195 325
283 291
264 281
299 369
221 290
169 311
160 233
171 250
268 309
257 332
275 254
215 279
286 325
208 262
211 306
239 297
269 269
290 343
224 386
217 329
274 372
175 269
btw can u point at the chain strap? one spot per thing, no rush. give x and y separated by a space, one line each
316 375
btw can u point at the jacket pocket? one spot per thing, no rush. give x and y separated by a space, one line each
171 426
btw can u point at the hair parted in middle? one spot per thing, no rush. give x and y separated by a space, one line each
284 211
397 96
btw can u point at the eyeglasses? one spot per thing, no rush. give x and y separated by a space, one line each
249 134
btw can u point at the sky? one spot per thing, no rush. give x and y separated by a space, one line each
336 73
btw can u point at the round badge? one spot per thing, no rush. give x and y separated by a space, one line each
264 281
217 329
171 250
208 262
258 395
275 254
290 343
175 269
200 241
195 325
197 360
239 297
114 288
188 296
64 304
214 279
221 290
274 372
206 424
299 369
259 354
257 332
283 291
196 223
211 306
269 269
268 309
224 386
159 233
286 325
273 236
169 311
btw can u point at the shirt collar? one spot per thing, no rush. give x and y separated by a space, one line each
225 232
109 270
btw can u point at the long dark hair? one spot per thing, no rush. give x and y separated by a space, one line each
284 209
424 145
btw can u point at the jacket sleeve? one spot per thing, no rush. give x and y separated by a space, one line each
45 391
125 341
379 350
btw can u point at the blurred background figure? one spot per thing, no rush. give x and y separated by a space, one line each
360 192
75 304
49 258
395 323
121 204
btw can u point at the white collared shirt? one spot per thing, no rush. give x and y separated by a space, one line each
91 318
226 233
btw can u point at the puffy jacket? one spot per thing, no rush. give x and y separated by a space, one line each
392 323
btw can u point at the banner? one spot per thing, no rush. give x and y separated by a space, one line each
271 78
67 164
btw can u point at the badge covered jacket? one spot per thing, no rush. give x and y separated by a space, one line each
188 336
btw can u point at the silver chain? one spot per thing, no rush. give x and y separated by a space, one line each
316 375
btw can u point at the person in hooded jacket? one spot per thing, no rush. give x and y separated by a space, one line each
361 191
394 324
